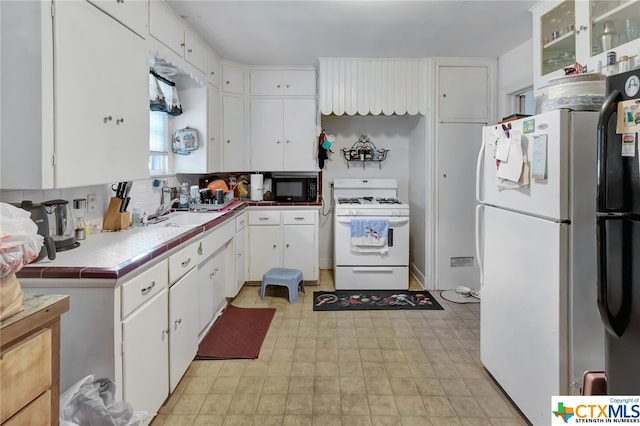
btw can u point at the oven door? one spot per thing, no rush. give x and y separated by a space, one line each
398 243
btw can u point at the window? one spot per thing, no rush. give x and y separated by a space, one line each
158 142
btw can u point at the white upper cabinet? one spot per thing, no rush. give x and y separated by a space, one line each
91 105
214 68
283 83
463 94
233 139
170 30
568 31
372 86
133 14
232 78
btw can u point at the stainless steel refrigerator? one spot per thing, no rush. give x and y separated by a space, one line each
618 231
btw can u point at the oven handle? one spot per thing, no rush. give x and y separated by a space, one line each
373 269
392 222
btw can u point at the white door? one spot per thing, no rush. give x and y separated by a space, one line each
266 134
543 197
233 144
300 137
458 144
146 352
265 251
298 243
214 147
183 326
523 314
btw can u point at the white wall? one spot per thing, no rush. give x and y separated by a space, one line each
515 74
389 132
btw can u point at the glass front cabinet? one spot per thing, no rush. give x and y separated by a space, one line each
583 31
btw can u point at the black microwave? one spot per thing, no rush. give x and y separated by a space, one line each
294 188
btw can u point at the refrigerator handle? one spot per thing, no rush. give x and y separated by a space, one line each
615 324
479 164
478 248
608 108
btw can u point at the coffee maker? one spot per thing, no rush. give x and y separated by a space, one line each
39 216
61 225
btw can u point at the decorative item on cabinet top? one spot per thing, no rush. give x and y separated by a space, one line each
364 150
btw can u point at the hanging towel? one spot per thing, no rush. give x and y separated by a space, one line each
369 235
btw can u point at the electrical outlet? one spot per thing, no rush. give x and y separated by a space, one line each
91 204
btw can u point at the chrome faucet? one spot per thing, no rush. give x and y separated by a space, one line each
165 207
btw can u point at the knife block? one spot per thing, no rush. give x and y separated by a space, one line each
113 219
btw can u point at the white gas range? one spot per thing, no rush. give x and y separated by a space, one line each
371 235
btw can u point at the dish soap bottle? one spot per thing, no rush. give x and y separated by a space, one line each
183 198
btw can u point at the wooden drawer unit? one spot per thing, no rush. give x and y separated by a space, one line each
37 413
25 372
181 262
300 217
30 362
264 218
138 290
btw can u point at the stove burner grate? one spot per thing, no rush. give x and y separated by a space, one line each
345 200
388 201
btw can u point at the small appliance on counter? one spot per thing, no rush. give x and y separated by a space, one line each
294 187
39 216
257 187
61 224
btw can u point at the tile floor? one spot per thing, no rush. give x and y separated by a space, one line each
403 368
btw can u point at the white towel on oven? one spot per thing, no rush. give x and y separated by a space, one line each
369 235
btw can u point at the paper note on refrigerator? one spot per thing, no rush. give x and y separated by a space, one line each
539 160
503 145
628 145
512 169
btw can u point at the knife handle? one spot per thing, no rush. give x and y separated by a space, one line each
124 204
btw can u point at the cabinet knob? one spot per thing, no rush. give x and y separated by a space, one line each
185 263
228 141
287 246
288 141
200 248
119 121
226 82
165 332
146 290
444 95
239 254
181 44
278 86
444 175
274 246
278 142
287 86
107 118
176 322
190 50
212 72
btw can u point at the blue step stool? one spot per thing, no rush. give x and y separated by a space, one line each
290 278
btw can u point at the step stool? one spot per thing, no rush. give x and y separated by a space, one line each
290 278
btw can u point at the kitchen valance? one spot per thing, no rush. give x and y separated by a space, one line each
163 95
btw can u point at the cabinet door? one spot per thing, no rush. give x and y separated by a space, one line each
114 126
265 251
242 240
214 147
266 134
300 137
463 93
232 79
195 51
299 83
233 143
145 357
133 13
266 82
183 326
298 242
166 27
214 69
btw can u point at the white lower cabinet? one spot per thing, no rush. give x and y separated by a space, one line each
242 258
145 354
283 239
211 291
183 326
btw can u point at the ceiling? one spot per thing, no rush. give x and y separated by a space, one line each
298 32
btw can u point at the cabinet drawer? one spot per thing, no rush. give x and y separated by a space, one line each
25 372
181 262
143 287
264 218
215 239
38 413
241 221
300 217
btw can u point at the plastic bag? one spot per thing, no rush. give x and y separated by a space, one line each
90 402
20 242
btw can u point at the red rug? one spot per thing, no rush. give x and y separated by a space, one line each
237 334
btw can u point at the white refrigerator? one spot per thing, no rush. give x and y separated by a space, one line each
536 246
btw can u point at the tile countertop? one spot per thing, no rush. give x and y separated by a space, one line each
111 255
